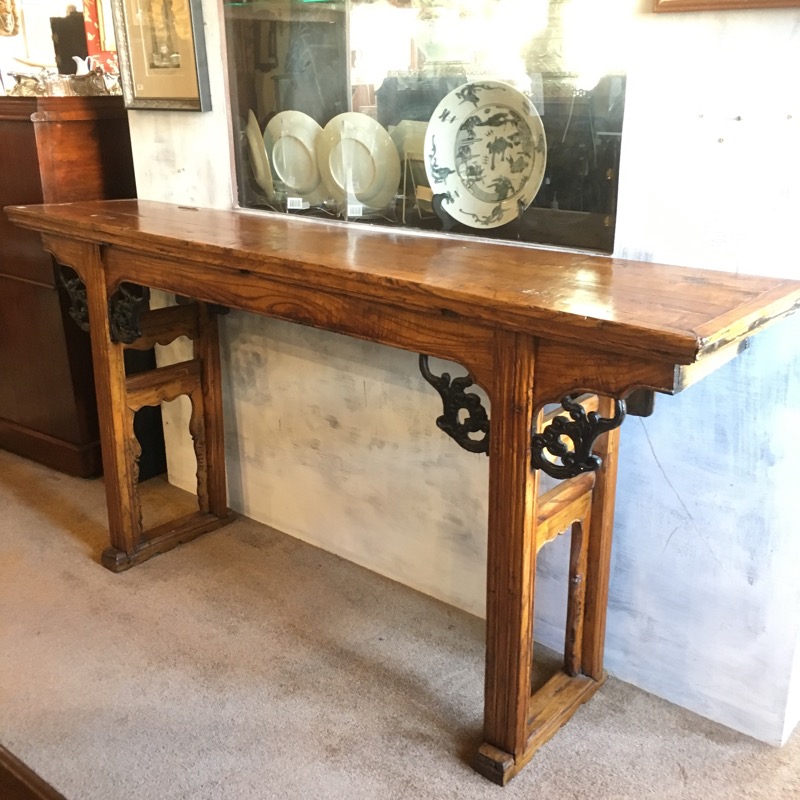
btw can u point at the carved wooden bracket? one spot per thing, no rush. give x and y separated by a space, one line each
567 440
125 306
124 309
76 289
581 429
455 400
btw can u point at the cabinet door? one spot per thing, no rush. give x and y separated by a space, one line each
34 350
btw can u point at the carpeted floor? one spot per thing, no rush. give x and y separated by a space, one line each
248 665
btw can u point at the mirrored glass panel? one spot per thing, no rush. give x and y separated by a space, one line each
495 118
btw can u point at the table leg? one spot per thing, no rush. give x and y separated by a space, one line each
518 722
116 426
200 380
511 567
211 488
599 557
120 396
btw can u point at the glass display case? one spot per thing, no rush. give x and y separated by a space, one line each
496 118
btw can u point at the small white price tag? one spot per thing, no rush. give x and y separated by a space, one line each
354 209
295 203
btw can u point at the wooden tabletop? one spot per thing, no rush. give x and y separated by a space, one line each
672 313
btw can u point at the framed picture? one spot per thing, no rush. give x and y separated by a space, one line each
714 5
162 54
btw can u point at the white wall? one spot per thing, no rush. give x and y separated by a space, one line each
706 527
333 440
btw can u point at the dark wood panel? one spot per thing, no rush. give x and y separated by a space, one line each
33 349
58 149
52 149
80 460
20 251
20 782
84 149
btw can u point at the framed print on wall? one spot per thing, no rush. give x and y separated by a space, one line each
162 54
714 5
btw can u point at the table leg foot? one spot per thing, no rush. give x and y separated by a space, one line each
163 538
494 764
548 709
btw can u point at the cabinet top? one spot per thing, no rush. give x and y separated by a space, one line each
60 109
669 313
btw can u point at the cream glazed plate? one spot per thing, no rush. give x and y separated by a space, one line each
258 156
291 140
485 153
358 161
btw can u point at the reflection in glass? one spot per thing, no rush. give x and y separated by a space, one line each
392 62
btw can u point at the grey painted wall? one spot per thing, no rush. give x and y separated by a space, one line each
333 440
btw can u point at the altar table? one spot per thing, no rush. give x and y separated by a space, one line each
532 326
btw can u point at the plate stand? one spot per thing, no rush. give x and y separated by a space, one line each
447 221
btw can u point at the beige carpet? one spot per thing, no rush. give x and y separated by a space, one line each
248 665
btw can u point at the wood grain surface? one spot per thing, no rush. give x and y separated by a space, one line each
671 313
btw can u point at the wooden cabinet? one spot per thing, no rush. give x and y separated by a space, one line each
52 150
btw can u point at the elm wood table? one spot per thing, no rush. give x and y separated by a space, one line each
532 327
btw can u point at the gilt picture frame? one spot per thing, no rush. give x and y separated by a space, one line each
720 5
162 54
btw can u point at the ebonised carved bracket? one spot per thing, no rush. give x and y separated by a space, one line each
124 309
568 440
76 289
455 400
581 429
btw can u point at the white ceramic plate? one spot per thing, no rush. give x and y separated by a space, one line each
485 151
291 141
258 156
358 161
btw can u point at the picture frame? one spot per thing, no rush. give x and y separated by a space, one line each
718 5
105 25
162 54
